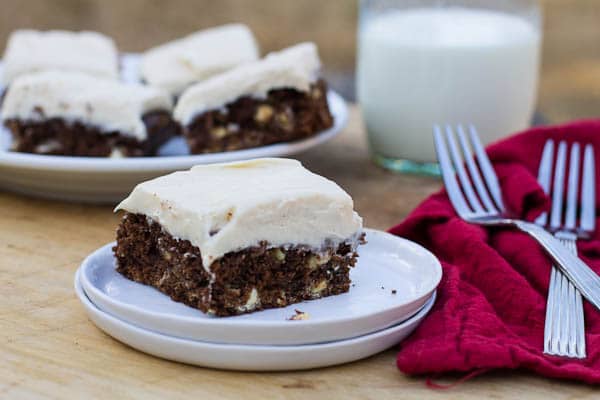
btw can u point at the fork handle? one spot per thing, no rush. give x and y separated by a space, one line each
582 276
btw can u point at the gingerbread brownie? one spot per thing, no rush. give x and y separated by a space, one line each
70 113
175 65
29 51
240 237
277 99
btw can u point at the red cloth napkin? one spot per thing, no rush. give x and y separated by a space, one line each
492 299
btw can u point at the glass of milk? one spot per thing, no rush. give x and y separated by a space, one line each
426 62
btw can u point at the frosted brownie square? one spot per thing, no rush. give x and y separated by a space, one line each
30 51
75 114
239 237
277 99
175 65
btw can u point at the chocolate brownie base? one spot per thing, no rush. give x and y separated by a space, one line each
284 115
252 279
55 136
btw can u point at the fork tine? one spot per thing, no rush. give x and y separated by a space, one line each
551 320
486 168
573 315
555 291
563 315
572 186
463 178
558 311
448 175
558 186
588 191
569 328
578 326
587 223
581 350
474 171
572 328
545 175
560 336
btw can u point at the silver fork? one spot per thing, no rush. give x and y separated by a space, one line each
477 199
564 331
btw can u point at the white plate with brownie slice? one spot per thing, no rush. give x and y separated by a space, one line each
392 280
108 179
250 357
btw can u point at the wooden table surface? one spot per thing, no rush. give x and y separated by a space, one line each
49 348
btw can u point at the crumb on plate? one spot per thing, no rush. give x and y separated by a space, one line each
299 316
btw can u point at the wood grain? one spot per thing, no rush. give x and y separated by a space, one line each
50 350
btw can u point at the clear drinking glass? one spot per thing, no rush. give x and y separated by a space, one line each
426 62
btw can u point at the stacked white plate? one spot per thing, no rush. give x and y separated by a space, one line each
393 289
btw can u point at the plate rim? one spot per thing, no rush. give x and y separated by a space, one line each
419 315
226 322
163 163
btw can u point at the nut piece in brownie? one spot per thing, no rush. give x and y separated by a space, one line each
240 237
75 114
277 99
175 65
29 51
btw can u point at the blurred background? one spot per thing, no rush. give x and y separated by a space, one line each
570 80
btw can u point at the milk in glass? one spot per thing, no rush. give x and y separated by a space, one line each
419 67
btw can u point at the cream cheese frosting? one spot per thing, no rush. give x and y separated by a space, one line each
175 65
107 104
228 207
30 51
296 67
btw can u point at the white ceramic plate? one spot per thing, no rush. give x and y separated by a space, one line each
248 357
386 263
106 180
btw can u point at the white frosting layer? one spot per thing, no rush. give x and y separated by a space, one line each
32 51
227 207
106 104
175 65
295 67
